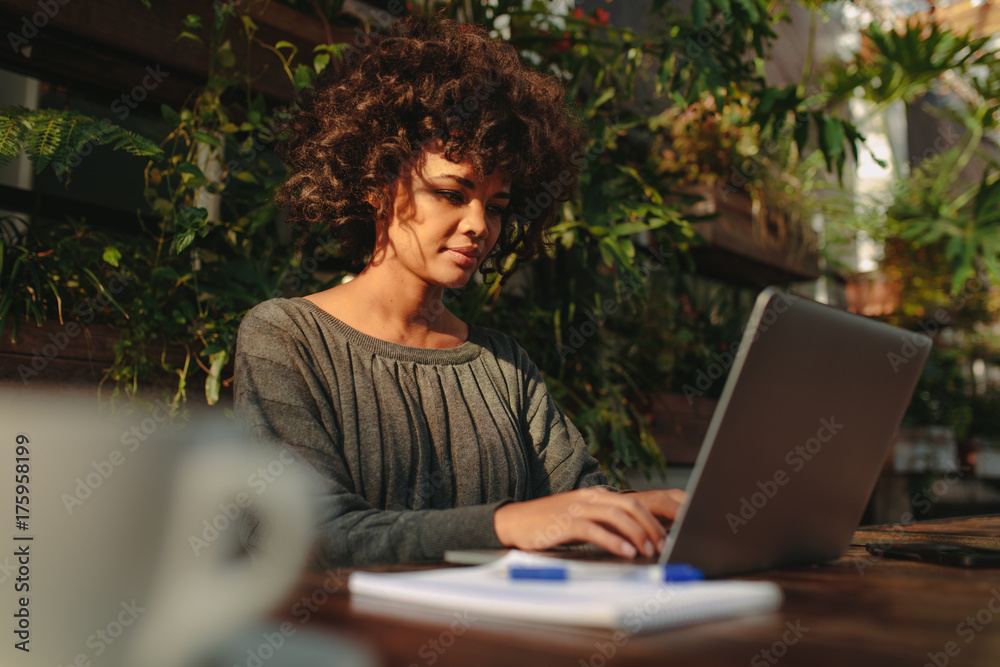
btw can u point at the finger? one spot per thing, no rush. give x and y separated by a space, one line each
601 497
627 520
597 534
632 504
680 496
665 503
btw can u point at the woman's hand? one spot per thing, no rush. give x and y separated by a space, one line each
623 523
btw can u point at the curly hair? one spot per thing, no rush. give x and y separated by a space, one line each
428 82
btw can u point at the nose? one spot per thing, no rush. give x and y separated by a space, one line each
474 222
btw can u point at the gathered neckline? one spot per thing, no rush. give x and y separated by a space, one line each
467 351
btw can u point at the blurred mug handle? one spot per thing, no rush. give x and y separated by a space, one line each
204 588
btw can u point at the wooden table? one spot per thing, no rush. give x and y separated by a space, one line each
857 610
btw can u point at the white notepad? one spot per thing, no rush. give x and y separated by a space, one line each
629 605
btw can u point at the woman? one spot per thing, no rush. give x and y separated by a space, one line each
423 152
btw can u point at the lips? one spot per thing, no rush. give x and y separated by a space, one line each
465 255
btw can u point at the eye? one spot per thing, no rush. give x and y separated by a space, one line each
455 198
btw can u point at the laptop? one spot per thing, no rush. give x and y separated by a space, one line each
802 429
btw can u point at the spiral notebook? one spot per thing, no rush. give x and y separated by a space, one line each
589 602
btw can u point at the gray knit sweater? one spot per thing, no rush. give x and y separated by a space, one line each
417 447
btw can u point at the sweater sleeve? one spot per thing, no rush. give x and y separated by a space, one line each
562 462
280 397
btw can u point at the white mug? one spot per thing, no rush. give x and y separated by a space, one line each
120 545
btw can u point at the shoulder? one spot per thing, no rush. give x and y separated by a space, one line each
507 353
287 317
280 324
274 312
497 343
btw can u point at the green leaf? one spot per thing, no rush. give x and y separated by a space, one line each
192 175
170 115
112 256
607 253
162 207
168 273
182 241
13 132
193 217
699 10
208 139
800 133
249 25
961 275
751 10
337 50
225 55
320 62
831 139
214 380
987 199
596 102
954 247
303 77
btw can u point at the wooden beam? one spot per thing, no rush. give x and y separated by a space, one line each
743 248
110 43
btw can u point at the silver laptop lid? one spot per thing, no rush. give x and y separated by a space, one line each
795 446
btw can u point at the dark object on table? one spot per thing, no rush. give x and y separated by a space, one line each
937 553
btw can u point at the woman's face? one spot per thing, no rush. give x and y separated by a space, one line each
443 222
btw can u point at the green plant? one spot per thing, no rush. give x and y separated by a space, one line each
43 273
939 228
701 143
941 394
46 273
53 137
206 249
934 203
216 249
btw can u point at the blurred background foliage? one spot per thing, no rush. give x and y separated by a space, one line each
939 223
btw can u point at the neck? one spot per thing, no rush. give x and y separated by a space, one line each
410 305
383 304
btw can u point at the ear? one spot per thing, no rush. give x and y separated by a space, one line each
373 200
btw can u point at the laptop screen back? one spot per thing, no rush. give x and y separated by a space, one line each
798 439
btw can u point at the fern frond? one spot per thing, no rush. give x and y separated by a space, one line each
130 142
13 131
77 135
54 137
46 135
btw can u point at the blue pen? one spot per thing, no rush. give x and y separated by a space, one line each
607 572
